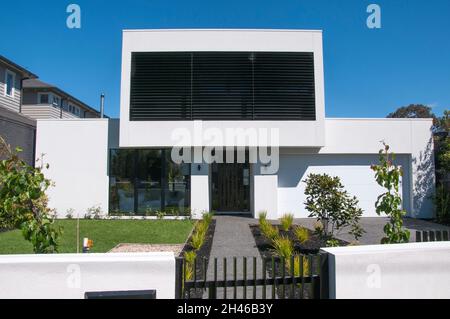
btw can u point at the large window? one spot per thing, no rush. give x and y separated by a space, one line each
143 181
222 86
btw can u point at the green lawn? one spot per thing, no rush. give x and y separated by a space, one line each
106 234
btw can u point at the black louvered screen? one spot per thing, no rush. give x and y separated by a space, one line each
284 86
160 86
222 86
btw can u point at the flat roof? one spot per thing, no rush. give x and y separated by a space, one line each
224 30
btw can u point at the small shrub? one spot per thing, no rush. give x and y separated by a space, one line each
302 234
286 221
283 247
329 202
190 256
69 213
160 215
197 240
332 242
94 212
297 269
269 231
207 218
262 217
201 227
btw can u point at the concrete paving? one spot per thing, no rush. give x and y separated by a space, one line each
373 227
233 238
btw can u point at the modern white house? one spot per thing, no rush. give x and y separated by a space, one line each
223 96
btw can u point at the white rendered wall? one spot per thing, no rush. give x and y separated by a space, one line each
77 152
410 271
353 170
352 145
265 195
69 276
158 133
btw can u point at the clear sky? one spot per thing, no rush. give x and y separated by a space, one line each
368 72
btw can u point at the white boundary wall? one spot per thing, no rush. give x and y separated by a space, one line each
69 276
400 271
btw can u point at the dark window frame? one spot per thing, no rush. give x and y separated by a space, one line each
135 179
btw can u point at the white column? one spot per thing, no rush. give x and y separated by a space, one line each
265 194
199 189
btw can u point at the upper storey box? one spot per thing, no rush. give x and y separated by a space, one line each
190 81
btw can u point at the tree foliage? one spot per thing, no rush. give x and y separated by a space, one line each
330 203
413 111
388 175
23 202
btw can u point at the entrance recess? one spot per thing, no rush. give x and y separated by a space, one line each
230 186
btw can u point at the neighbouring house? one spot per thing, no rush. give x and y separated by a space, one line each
204 90
45 101
18 130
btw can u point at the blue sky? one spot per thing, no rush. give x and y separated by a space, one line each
368 72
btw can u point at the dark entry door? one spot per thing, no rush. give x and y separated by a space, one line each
231 187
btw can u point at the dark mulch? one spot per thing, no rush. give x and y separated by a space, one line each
312 246
202 258
309 248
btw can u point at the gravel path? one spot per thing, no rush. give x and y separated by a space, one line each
141 248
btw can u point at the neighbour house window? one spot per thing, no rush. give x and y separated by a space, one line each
74 109
10 78
43 98
146 180
56 100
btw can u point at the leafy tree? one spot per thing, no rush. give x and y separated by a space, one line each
413 111
330 203
388 175
23 203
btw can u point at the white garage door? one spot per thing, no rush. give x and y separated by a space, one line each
354 171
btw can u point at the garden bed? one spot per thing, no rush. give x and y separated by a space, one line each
309 250
202 259
312 246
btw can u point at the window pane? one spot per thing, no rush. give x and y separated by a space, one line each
9 83
177 186
121 181
149 172
43 99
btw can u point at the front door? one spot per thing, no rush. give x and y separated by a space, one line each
231 187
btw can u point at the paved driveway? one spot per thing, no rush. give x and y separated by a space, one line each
374 228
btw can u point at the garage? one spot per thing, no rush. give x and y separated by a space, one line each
354 171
